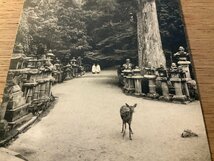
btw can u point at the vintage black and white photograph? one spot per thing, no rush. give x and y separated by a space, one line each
102 80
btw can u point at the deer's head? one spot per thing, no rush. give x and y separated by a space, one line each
132 107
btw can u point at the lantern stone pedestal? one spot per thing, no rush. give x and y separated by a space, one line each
75 70
121 78
137 81
178 83
179 96
163 79
152 86
68 72
127 80
131 86
165 89
185 87
185 68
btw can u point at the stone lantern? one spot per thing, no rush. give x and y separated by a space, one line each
177 83
137 81
50 55
18 49
128 64
131 85
79 61
74 67
18 57
163 78
183 62
73 61
150 75
57 73
68 70
127 80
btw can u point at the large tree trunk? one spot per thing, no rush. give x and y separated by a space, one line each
149 40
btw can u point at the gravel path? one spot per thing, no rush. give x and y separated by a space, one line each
85 126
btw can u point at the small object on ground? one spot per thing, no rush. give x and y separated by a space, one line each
188 133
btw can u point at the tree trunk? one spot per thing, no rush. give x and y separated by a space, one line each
149 40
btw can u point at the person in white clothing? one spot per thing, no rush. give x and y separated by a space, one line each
93 70
98 69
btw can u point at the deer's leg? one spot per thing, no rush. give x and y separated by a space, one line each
130 132
130 128
122 127
124 130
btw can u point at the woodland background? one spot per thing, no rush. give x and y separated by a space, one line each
103 31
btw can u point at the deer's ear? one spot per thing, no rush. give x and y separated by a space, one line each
127 105
135 105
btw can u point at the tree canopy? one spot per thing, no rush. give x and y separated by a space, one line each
99 30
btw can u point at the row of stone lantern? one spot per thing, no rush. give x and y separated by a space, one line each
38 83
28 88
135 80
74 68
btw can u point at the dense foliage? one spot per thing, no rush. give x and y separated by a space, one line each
100 30
171 26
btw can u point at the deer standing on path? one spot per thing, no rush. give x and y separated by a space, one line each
126 113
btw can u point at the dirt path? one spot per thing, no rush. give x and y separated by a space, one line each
85 126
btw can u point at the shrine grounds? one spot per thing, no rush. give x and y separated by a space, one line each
85 125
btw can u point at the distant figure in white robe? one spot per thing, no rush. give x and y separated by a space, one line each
93 70
98 69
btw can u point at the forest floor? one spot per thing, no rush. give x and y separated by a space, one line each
85 125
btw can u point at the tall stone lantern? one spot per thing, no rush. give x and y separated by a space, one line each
74 66
151 76
137 81
128 81
50 55
68 72
177 83
183 62
131 85
163 78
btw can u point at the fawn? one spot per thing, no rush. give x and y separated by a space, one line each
126 113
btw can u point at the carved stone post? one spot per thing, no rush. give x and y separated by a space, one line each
164 86
150 75
68 72
185 68
138 81
183 62
127 73
149 40
177 83
131 86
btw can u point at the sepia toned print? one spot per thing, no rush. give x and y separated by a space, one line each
102 80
